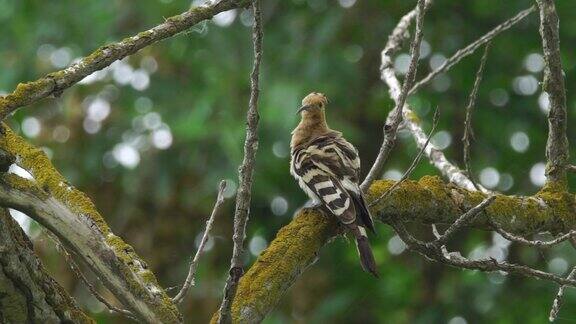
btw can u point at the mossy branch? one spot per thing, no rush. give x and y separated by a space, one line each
427 201
29 294
54 83
73 218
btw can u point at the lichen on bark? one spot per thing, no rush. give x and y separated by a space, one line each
427 201
29 294
72 216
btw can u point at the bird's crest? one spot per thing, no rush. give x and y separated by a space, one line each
315 98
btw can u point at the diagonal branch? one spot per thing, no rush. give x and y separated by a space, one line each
412 166
245 172
468 132
472 47
194 264
391 126
54 83
427 201
464 220
557 145
73 218
490 265
436 156
557 303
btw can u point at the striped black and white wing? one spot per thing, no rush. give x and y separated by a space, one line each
328 169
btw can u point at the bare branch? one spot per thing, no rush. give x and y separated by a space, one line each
557 145
56 82
560 298
194 264
571 168
468 132
245 172
464 220
472 47
391 126
436 156
535 243
457 260
78 273
412 166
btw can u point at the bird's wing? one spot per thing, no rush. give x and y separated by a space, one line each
316 171
341 158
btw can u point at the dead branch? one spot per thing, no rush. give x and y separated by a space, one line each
190 279
557 303
391 126
472 47
387 74
468 132
557 145
245 172
413 165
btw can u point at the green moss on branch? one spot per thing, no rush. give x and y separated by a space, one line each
117 260
426 201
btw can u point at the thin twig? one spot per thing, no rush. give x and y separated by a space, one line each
536 243
457 260
557 151
390 128
557 303
464 220
245 173
413 165
56 82
468 132
78 273
471 48
190 279
571 168
387 74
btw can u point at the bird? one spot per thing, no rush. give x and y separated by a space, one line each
327 168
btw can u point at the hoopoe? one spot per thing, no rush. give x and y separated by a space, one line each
327 168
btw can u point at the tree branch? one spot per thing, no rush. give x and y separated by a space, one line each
412 166
436 156
194 264
427 201
472 47
455 259
56 82
468 132
557 303
29 294
245 172
391 126
557 145
72 217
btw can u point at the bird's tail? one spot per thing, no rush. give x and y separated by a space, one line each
365 253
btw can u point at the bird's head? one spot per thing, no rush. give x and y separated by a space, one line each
313 103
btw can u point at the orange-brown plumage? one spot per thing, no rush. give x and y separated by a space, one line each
327 168
313 122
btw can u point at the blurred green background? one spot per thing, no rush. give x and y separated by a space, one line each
150 137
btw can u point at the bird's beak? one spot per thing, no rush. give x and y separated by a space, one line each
303 108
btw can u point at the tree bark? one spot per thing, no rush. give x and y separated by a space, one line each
27 293
427 201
